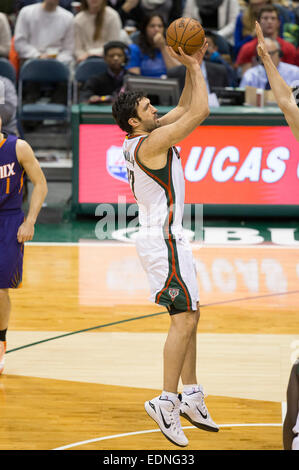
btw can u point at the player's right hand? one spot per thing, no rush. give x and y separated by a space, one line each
187 60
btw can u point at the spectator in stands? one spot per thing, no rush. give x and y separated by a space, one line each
168 9
217 15
104 87
45 30
8 106
270 23
216 75
150 57
63 3
130 11
95 25
213 55
5 36
133 11
256 76
245 24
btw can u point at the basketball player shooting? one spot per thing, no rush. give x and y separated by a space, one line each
282 92
157 181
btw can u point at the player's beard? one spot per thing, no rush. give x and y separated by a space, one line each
151 125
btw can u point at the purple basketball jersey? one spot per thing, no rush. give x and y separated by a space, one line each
11 214
11 176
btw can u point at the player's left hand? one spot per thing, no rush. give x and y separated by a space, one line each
199 55
25 232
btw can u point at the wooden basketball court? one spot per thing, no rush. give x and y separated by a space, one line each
85 348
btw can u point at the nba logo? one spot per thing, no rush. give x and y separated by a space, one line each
115 163
173 293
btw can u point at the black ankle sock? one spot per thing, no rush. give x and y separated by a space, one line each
3 335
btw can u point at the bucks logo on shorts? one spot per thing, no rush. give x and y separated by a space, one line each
173 293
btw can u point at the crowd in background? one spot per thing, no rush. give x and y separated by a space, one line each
130 36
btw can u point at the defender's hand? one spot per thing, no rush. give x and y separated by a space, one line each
261 47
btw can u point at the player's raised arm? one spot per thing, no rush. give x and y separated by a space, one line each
185 98
162 138
282 92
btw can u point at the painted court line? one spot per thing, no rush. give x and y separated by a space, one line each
104 244
149 431
142 317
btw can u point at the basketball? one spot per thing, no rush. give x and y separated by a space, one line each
186 33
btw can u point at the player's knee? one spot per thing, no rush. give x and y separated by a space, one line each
191 320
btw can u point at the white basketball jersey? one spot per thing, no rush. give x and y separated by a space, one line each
159 193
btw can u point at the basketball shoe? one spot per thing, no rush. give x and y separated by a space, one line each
194 409
2 355
166 413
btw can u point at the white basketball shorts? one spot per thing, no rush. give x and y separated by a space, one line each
171 271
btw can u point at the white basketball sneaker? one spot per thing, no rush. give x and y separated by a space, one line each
194 409
166 413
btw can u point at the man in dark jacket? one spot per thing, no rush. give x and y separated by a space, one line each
104 87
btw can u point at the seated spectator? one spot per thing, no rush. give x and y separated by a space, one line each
245 23
150 57
213 55
8 106
130 11
5 36
104 87
53 38
63 3
133 11
269 21
44 30
256 76
169 9
216 75
218 15
95 25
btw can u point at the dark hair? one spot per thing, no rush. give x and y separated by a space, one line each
125 107
115 44
99 19
268 8
143 42
212 35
